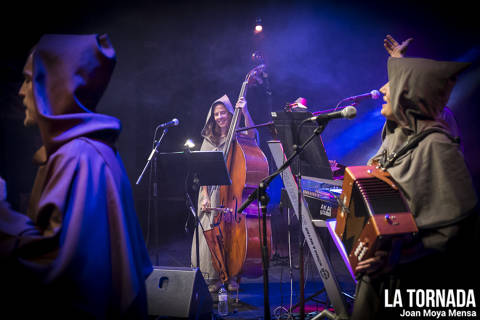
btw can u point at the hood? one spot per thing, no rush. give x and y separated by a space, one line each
420 89
70 75
210 121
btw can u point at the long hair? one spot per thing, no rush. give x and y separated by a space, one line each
212 130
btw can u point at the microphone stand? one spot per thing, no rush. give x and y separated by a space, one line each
152 154
300 244
301 259
191 207
260 193
263 200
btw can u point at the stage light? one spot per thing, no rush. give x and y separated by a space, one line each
189 144
258 26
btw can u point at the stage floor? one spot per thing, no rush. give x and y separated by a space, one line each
283 293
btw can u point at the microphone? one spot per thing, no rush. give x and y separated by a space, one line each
169 124
349 112
374 94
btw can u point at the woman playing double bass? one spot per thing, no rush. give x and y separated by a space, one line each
214 134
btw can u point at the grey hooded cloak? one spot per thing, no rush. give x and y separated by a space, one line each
435 181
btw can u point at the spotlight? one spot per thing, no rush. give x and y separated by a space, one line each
258 26
189 144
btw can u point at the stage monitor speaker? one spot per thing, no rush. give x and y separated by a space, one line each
179 293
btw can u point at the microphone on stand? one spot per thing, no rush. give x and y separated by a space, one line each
349 112
374 94
169 124
165 125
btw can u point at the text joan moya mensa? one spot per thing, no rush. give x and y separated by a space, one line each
458 302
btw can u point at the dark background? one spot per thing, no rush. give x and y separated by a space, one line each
175 58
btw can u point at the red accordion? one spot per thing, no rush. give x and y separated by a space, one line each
373 213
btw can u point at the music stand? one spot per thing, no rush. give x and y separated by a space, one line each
201 168
291 130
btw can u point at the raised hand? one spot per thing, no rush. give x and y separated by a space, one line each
395 49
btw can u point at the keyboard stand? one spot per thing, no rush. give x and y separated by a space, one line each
317 250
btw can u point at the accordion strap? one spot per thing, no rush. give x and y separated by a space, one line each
413 143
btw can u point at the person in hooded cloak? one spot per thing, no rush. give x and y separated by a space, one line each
398 50
79 252
423 156
214 132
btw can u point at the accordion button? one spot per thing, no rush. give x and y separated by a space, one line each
391 219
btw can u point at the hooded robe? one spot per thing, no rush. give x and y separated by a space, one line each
435 181
206 218
79 252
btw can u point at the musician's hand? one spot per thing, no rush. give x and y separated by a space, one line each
375 264
205 203
3 190
242 104
395 49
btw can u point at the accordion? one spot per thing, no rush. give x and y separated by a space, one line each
372 212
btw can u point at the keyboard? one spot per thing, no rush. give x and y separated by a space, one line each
321 197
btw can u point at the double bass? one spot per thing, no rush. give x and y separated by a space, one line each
235 239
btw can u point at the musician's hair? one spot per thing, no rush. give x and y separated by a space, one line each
212 131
